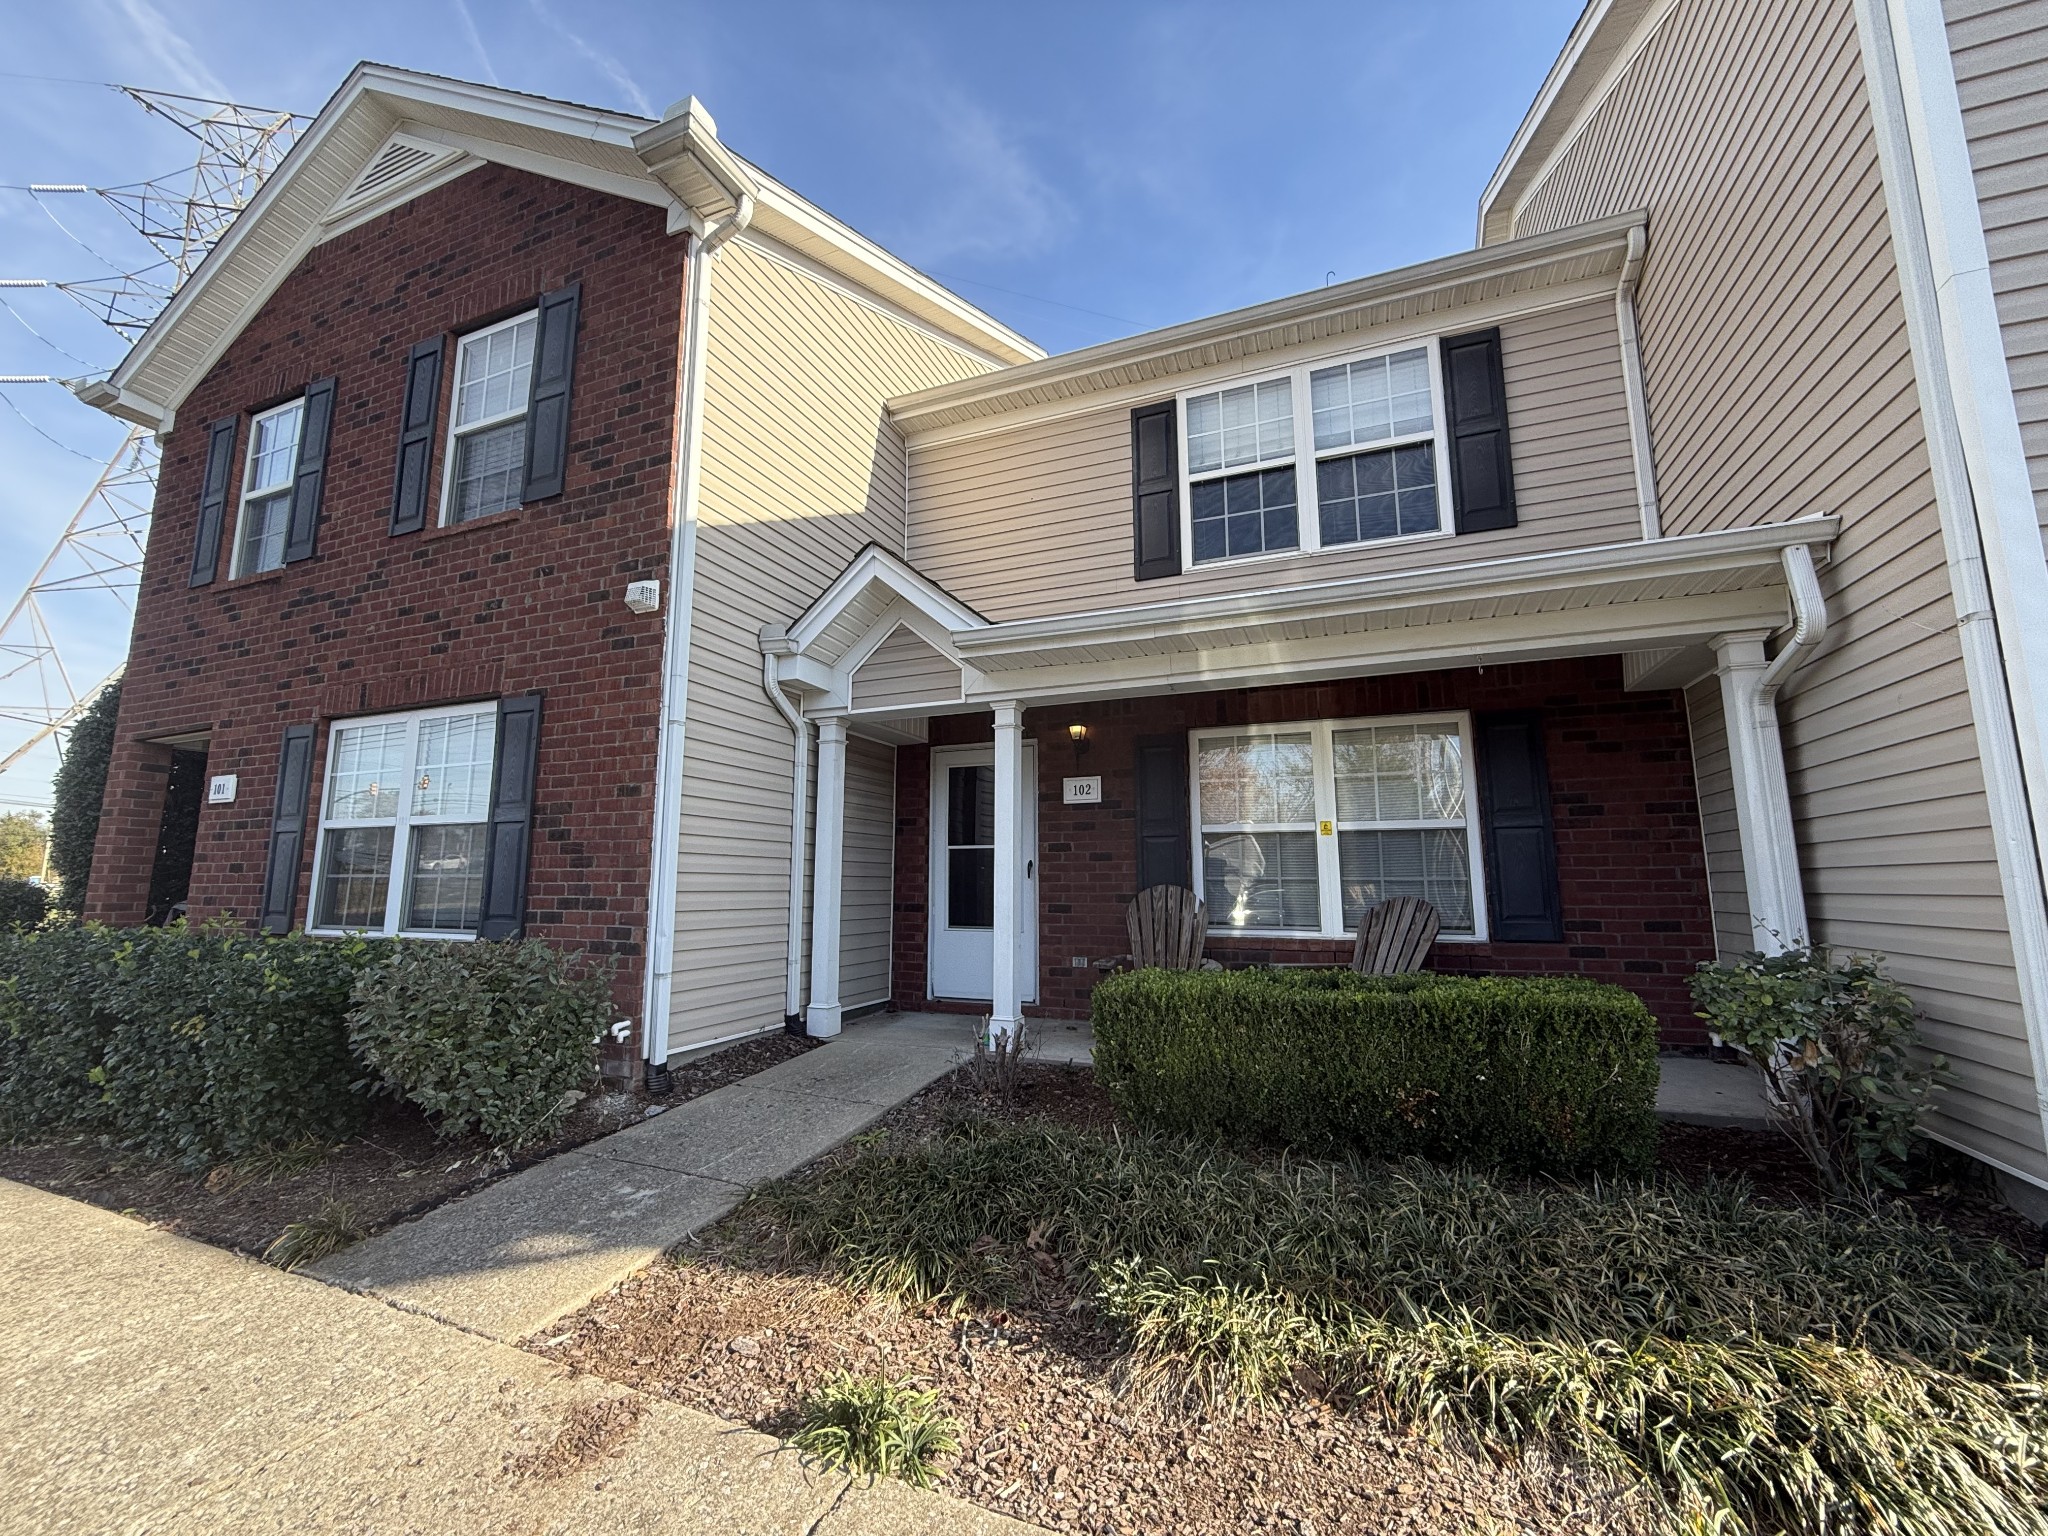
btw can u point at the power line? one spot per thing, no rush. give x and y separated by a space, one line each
8 400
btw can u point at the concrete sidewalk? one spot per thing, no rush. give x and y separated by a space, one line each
1695 1091
154 1384
522 1252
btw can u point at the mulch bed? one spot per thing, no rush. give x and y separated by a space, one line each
398 1168
1046 1434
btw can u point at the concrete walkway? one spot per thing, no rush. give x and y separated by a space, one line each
527 1250
154 1384
1695 1091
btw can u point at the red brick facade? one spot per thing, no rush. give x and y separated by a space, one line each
1631 869
530 600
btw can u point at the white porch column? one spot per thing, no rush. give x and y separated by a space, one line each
822 1017
1006 1011
1763 803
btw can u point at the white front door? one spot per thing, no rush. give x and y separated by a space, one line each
963 874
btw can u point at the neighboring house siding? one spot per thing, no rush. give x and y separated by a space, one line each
868 882
1036 519
800 470
529 600
904 670
1780 384
2001 65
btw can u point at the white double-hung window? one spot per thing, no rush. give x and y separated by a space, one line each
266 511
487 429
1304 828
404 818
1346 451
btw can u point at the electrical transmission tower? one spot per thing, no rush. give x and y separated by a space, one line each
100 550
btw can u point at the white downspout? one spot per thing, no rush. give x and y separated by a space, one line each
1632 385
1809 620
800 780
675 653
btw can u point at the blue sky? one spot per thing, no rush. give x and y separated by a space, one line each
1082 171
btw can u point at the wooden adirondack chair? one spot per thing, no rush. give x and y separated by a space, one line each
1395 937
1168 925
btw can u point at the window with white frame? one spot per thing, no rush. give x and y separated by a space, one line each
266 511
1375 457
487 429
404 818
1304 828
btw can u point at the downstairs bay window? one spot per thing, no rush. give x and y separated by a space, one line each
404 822
1303 828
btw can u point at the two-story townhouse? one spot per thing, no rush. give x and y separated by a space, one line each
467 476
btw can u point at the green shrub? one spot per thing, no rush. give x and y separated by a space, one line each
1831 1036
23 904
80 785
486 1036
882 1428
1533 1074
190 1045
1768 1368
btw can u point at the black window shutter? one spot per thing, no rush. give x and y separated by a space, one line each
510 833
287 830
1155 493
1475 399
416 436
1164 856
213 499
1520 838
547 411
310 478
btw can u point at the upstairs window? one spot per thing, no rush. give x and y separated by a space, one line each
1331 454
403 823
1304 828
266 510
487 432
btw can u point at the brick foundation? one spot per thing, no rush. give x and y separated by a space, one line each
1631 870
528 600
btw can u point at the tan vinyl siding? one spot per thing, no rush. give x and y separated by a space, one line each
2001 64
800 470
1780 383
868 883
1726 887
1037 519
905 669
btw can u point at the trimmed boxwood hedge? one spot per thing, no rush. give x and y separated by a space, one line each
1537 1074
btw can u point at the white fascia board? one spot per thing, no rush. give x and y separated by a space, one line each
636 189
875 565
1188 345
1561 70
1512 576
1427 644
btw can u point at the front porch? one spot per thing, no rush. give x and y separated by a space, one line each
1575 759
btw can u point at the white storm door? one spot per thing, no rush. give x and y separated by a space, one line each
962 879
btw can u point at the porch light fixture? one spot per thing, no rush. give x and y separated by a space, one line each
1078 734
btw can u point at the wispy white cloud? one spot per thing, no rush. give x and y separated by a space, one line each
598 59
476 40
138 30
986 195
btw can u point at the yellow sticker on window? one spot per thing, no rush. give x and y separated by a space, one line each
1327 828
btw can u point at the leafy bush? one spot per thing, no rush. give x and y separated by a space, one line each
191 1045
1832 1037
1768 1368
495 1037
1534 1074
23 904
80 785
875 1426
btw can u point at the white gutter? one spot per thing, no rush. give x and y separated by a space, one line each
1809 621
664 863
800 780
1632 384
1999 583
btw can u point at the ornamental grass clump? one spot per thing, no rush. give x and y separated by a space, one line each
1832 1037
877 1427
1762 1368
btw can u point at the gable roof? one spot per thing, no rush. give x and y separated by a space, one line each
1600 43
443 127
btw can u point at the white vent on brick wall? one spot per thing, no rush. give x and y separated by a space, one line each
400 160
